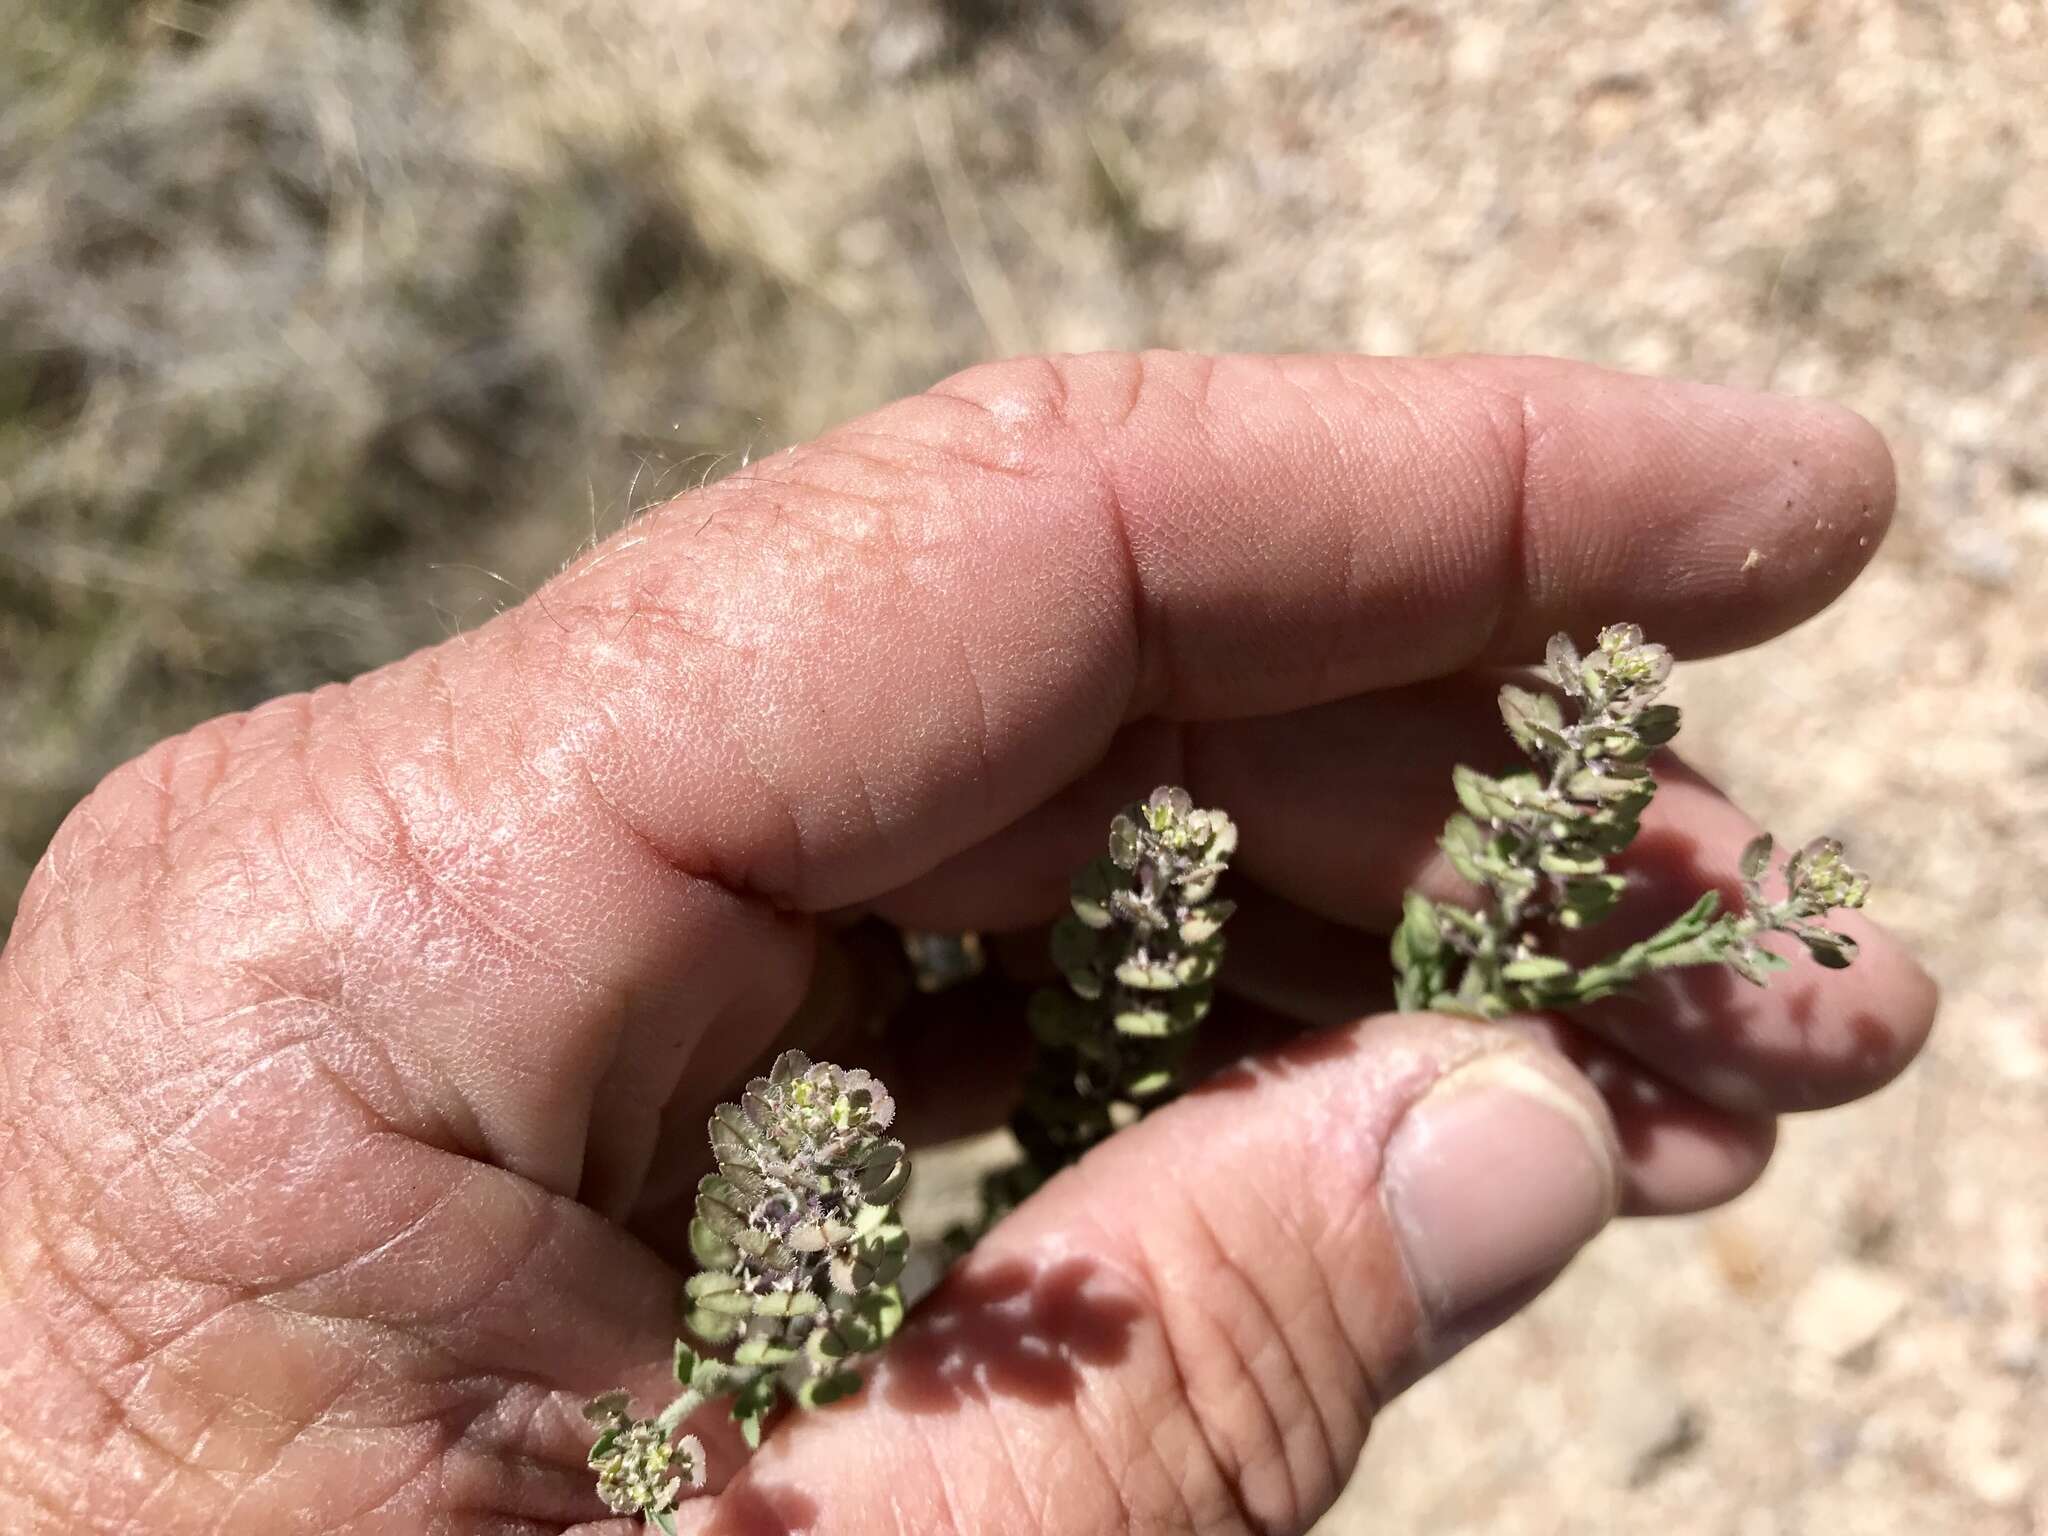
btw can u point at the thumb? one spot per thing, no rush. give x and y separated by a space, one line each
1191 1330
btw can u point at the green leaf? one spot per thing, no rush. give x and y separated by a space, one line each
1077 950
751 1404
1153 973
664 1521
708 1248
1612 784
1126 842
1149 1084
1696 917
1058 1018
686 1362
1756 858
884 1174
1754 965
1534 720
1836 951
763 1349
1204 922
1588 899
1535 968
1089 894
1656 724
1420 933
1153 1023
712 1327
883 1309
1163 1015
734 1304
732 1135
1464 843
1561 659
1476 792
609 1405
779 1303
819 1391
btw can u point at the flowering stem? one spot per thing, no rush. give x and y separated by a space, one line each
1537 844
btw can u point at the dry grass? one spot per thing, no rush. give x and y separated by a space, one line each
304 307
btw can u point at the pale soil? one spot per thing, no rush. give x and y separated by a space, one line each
1849 199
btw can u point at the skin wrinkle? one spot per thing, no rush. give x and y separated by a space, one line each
924 456
1332 1469
423 1125
1520 557
708 866
1276 1335
1148 670
281 1294
703 871
408 852
407 855
113 1422
1034 1491
145 1161
301 1428
1506 536
1220 1464
884 534
131 1427
1116 1479
955 1526
51 1255
984 760
1233 1466
233 760
953 453
1365 1406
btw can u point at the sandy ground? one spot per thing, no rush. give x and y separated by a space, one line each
1846 197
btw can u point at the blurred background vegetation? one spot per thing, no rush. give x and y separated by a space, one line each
329 326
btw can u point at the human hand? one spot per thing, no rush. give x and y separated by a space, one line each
355 1052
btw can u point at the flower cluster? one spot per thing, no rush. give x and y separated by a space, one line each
642 1465
1537 843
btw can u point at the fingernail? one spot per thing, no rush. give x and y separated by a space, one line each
1494 1180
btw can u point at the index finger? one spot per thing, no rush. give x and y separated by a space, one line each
932 616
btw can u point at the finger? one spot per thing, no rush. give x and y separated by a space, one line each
934 616
1291 971
1315 1237
1678 1155
1339 808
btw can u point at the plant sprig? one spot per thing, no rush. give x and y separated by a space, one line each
800 1249
1537 842
1139 949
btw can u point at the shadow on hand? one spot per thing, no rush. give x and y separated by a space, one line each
1008 1328
1271 1047
749 1509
